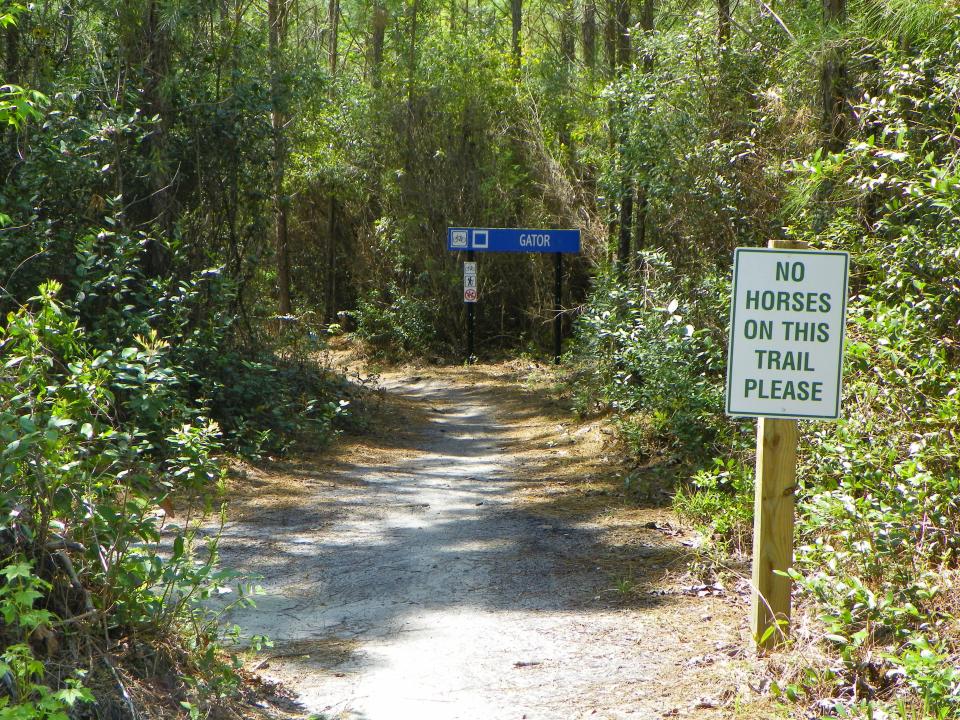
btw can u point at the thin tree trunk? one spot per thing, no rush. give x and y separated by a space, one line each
330 291
333 19
379 32
568 46
411 80
589 33
516 19
626 176
11 59
642 204
833 79
157 69
626 224
568 49
623 34
646 25
723 22
276 19
643 226
610 37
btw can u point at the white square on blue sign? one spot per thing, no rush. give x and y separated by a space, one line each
481 239
459 238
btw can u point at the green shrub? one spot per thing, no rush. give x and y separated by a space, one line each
719 501
80 534
638 346
29 697
395 327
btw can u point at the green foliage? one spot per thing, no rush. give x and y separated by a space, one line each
400 326
638 344
82 486
17 104
876 555
719 501
30 698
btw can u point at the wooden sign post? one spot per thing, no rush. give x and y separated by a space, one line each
787 317
773 529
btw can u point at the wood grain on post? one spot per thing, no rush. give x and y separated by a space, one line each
775 487
773 529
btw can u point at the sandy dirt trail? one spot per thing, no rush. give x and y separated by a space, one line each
406 577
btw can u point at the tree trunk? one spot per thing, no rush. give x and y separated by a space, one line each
590 34
568 47
157 70
642 218
276 20
610 37
333 19
411 80
379 32
626 224
643 226
723 22
330 291
626 176
11 58
833 80
623 34
516 19
646 25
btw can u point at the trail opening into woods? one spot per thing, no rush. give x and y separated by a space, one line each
473 556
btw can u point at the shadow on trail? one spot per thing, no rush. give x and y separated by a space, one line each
405 546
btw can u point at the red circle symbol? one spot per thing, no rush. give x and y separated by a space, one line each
470 294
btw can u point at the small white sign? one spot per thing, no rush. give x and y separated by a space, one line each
787 319
470 282
458 239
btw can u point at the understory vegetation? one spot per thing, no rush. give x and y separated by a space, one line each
876 558
134 361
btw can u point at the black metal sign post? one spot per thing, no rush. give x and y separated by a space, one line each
471 320
558 309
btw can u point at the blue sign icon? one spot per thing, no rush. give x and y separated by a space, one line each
513 240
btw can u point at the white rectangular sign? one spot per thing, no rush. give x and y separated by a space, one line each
787 318
470 282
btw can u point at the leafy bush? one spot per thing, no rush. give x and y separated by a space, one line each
637 345
395 327
82 540
719 501
27 695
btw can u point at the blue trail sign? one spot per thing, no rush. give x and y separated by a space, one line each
513 240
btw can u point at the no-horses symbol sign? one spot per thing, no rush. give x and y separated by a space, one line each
470 282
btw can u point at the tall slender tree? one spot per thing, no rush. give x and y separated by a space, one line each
623 56
589 34
642 193
516 27
833 78
723 22
377 36
277 15
330 291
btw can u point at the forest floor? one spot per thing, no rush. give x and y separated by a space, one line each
473 556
